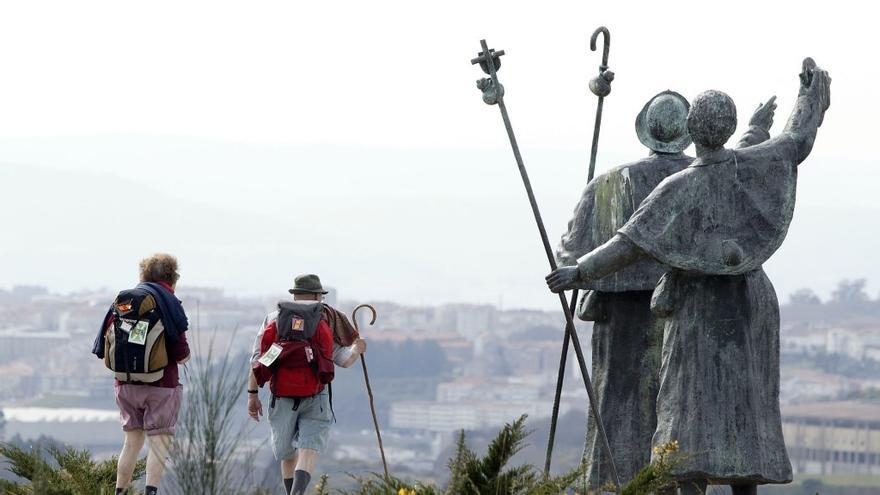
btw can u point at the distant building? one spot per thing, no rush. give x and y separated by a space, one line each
29 344
833 437
469 319
811 344
844 342
473 403
872 347
447 417
808 385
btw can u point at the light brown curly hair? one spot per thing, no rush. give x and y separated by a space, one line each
159 267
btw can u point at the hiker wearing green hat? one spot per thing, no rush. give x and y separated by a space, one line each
295 351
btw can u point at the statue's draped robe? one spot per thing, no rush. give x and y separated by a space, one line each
627 338
719 380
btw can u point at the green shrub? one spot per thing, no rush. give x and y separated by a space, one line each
68 472
474 475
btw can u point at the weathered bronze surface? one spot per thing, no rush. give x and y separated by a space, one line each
713 224
627 338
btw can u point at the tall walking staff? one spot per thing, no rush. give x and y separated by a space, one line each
493 93
370 389
601 87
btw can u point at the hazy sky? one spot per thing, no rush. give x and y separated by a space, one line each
348 138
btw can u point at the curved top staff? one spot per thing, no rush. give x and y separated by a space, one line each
601 87
354 315
370 389
493 93
605 46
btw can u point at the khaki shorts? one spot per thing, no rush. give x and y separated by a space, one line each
308 427
148 408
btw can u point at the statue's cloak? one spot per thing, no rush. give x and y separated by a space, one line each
725 214
605 206
626 338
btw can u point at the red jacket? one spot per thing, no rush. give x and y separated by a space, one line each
290 375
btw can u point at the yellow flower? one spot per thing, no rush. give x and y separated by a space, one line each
404 491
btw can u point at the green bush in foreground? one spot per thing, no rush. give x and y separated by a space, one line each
474 475
489 475
73 472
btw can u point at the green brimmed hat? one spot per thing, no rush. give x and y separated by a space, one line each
662 123
307 284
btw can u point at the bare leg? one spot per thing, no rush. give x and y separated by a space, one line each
306 460
288 466
693 487
134 441
305 464
744 489
156 458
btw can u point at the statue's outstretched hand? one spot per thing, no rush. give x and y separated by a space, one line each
763 116
816 83
563 278
821 87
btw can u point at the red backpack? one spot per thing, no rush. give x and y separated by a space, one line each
296 352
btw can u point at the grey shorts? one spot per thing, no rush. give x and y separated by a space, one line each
306 428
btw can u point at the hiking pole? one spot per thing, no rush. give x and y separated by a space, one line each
601 87
493 93
370 389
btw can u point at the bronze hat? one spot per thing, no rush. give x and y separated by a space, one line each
308 284
662 123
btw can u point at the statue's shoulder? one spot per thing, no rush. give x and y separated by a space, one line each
653 164
780 148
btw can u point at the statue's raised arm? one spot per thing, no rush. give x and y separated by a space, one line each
727 212
813 100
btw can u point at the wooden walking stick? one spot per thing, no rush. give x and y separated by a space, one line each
370 389
601 87
493 94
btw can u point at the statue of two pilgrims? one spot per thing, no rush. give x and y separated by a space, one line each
686 322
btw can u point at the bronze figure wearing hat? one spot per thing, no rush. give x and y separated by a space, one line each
627 338
713 225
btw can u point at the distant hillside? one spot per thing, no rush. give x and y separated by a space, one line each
416 226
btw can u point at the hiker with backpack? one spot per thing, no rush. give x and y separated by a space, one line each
295 352
142 339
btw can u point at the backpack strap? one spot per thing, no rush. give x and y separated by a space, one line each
330 394
118 331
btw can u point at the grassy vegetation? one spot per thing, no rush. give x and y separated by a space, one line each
51 470
64 471
471 474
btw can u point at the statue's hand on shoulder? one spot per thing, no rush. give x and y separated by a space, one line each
763 116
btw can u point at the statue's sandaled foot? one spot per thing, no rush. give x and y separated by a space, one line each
693 487
744 489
